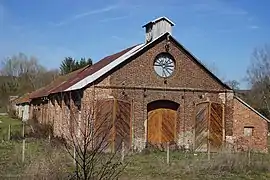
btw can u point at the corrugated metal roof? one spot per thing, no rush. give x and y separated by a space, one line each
23 99
89 71
45 91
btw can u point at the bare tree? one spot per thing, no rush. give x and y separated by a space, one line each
26 74
89 135
258 76
20 74
233 84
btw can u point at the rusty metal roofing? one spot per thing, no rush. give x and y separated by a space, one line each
45 91
88 71
23 99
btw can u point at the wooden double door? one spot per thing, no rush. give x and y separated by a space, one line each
161 122
209 127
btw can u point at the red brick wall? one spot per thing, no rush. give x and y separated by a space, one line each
140 71
243 116
136 82
139 75
146 86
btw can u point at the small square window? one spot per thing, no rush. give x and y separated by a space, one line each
248 131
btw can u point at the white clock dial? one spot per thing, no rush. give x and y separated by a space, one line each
164 65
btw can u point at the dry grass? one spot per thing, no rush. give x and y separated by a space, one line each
16 127
50 161
190 166
50 165
42 160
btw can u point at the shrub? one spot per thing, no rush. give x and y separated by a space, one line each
13 114
37 130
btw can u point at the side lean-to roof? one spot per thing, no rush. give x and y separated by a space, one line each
22 99
96 70
251 108
65 81
46 90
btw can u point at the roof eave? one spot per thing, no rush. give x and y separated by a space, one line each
158 19
251 108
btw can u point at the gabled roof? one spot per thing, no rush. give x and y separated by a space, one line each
92 73
251 108
82 77
196 60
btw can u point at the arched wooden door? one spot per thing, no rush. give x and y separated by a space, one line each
161 123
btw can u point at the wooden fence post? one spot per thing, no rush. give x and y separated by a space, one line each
208 132
123 152
168 153
23 150
23 130
113 124
9 129
74 156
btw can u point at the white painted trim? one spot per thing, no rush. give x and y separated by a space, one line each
247 105
157 19
91 78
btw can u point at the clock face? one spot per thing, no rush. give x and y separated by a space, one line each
164 65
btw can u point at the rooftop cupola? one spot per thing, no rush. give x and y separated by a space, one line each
157 27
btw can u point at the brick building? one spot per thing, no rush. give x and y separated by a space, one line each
153 93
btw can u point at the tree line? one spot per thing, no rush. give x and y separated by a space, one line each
258 78
21 74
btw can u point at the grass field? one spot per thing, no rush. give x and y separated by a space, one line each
41 157
5 121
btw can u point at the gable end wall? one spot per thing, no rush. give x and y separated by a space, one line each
245 117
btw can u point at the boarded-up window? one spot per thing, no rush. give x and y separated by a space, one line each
248 131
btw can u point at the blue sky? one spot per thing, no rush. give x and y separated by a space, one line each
221 33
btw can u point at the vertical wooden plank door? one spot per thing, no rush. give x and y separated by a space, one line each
208 127
112 123
122 125
201 127
216 126
161 126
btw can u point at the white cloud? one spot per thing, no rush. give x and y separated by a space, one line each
218 7
114 18
254 27
85 14
116 37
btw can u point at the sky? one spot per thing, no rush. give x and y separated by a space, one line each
221 33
